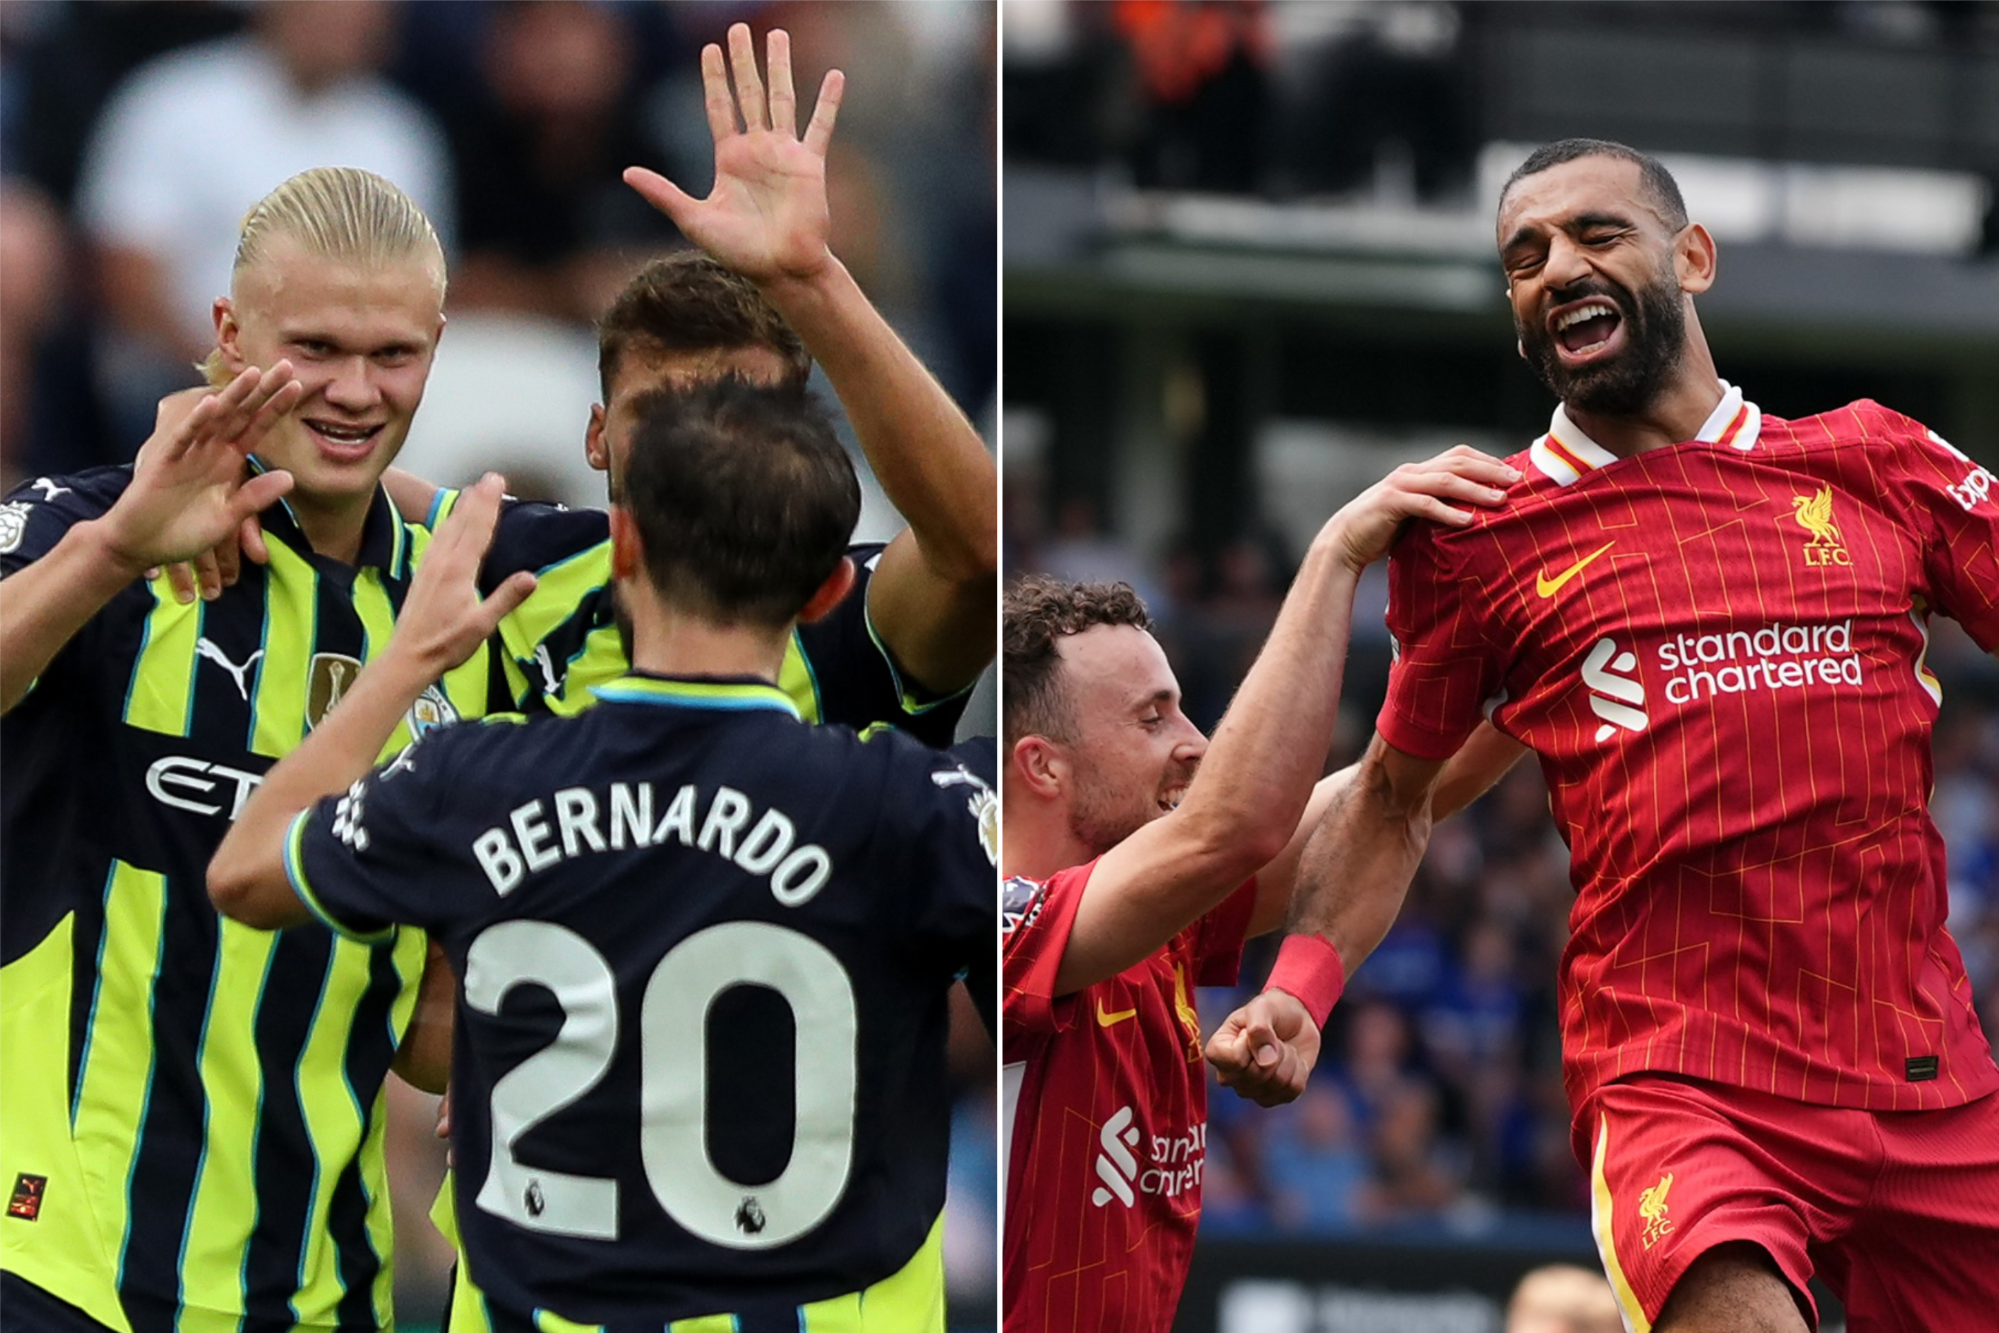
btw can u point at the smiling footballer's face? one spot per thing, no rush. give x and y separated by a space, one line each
1592 276
1134 752
361 338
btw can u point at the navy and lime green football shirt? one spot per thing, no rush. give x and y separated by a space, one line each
705 952
565 638
195 1106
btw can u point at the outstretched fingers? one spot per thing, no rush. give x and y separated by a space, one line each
661 193
715 95
783 98
819 134
258 494
749 87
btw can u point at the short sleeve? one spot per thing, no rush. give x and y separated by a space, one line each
1444 670
387 851
954 841
1221 935
1036 917
34 517
857 679
1954 503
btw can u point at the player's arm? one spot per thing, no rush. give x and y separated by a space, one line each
932 596
443 622
189 487
1471 772
1351 879
1243 808
423 1057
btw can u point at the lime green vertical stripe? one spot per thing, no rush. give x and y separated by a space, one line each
707 1323
550 1322
291 595
118 1076
602 661
410 951
908 1301
378 623
335 1119
224 1207
795 679
162 691
836 1314
559 590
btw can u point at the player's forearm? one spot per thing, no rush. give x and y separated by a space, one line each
423 1056
44 605
929 460
247 879
1270 748
1357 867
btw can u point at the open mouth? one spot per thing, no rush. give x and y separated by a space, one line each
343 440
1170 800
1587 329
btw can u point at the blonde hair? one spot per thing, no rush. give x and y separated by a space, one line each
342 214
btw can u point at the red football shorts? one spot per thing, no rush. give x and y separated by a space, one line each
1897 1210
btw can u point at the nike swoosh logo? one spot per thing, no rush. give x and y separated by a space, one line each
1548 587
1106 1019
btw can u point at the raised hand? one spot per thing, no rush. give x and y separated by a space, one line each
1266 1049
190 488
766 218
444 619
1366 526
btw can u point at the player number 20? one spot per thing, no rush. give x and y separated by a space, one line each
673 1140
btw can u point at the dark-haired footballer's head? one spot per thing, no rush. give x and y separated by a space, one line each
1604 322
1090 711
682 321
742 498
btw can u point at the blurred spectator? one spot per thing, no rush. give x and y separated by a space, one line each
192 139
1562 1298
546 225
1315 1161
32 274
1203 91
1414 1177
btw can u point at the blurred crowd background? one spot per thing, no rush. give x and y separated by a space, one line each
1249 268
133 137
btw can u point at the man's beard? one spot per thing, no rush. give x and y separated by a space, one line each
1101 824
1655 327
1104 813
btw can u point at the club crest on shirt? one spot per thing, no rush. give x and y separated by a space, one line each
329 677
1814 515
430 711
1652 1208
13 525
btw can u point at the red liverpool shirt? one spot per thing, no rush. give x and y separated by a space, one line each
1106 1116
1716 649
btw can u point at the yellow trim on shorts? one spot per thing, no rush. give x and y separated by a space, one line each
1600 1223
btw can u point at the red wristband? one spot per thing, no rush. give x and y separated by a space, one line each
1309 968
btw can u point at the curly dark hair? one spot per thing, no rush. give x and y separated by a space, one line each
686 302
1037 613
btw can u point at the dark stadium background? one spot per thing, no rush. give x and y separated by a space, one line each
534 247
1248 268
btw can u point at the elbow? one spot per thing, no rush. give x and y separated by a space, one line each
233 889
1232 850
228 889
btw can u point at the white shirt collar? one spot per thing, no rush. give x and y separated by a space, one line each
1565 454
